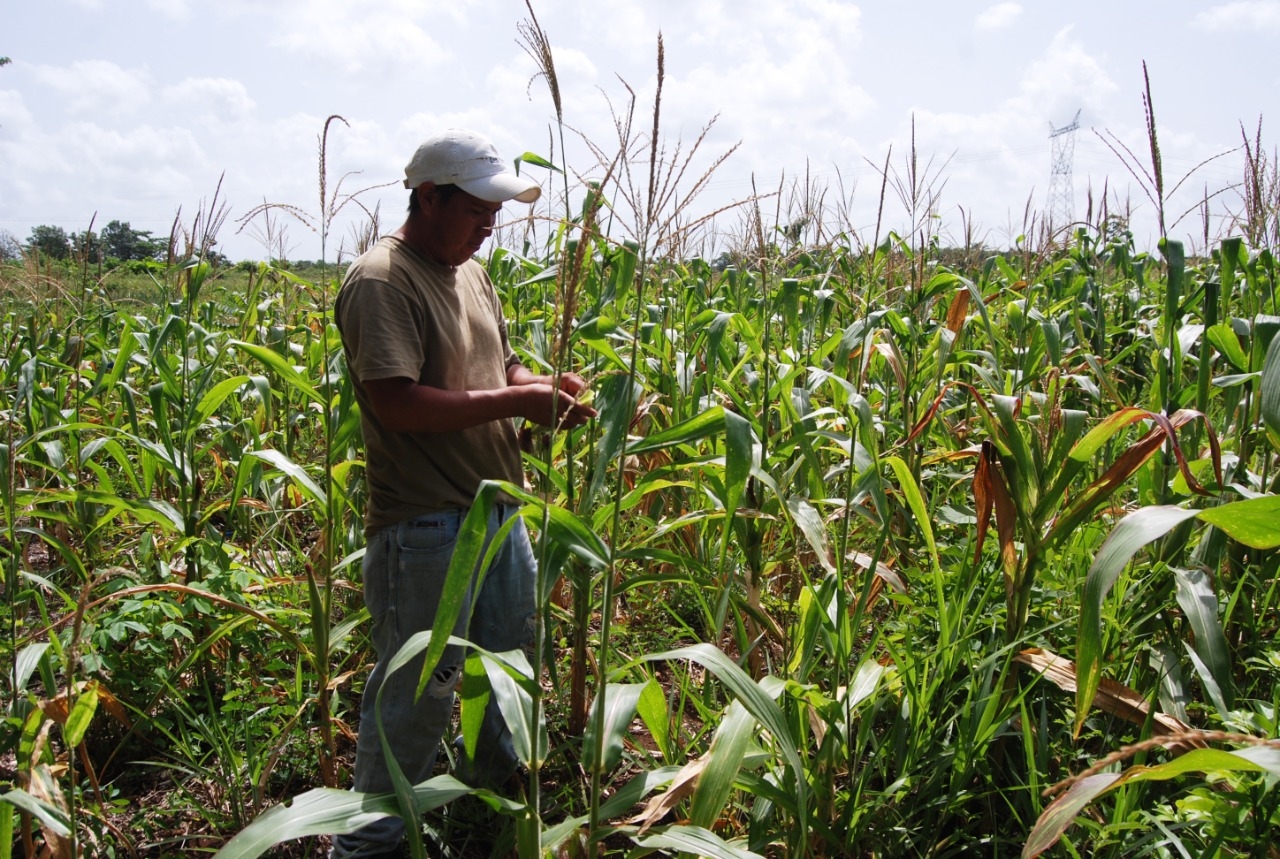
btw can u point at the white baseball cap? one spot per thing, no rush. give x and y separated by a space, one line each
464 158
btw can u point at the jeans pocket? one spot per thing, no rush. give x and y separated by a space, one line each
432 533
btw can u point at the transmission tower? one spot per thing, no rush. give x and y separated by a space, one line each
1061 199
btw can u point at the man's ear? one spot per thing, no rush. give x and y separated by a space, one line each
426 193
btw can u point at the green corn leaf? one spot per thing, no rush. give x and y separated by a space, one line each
305 484
327 811
81 715
616 398
765 710
809 521
535 160
621 702
564 527
1223 338
739 458
475 695
6 830
696 841
402 793
700 426
56 819
1207 679
549 273
1199 603
721 765
28 658
1270 395
1254 522
915 501
1130 534
282 368
462 572
516 706
652 707
1065 809
215 396
1084 450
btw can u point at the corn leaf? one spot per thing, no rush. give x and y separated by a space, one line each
81 715
305 484
809 522
722 762
696 841
50 816
700 426
1064 810
765 710
516 706
1130 534
1199 603
327 811
621 702
916 503
1270 395
1254 522
282 368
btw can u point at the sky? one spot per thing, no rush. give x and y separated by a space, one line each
156 112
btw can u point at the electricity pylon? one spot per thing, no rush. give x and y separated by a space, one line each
1061 198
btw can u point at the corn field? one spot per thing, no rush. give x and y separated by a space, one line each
877 548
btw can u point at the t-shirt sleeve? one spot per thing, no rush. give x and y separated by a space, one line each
381 327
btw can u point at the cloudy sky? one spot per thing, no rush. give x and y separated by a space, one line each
132 110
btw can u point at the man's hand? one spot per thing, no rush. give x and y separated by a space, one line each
551 408
537 392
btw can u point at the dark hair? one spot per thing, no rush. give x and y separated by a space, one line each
444 191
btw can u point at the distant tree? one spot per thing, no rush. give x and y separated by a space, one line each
87 246
4 61
122 242
10 247
50 241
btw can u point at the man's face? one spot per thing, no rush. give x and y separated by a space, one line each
456 228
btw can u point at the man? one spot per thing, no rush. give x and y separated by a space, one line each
438 386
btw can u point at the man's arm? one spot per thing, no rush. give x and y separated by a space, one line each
402 405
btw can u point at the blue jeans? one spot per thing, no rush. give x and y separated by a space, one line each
405 567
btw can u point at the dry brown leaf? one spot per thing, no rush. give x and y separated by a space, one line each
1114 698
44 786
681 787
958 310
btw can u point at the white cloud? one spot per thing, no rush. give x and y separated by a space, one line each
14 113
1065 79
362 35
998 17
221 97
1241 16
174 10
97 86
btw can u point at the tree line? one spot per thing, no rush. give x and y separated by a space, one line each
117 241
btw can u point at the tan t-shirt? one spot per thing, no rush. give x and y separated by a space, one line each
404 316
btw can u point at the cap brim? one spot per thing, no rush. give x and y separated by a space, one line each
501 187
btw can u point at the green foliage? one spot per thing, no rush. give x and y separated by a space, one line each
122 242
51 241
